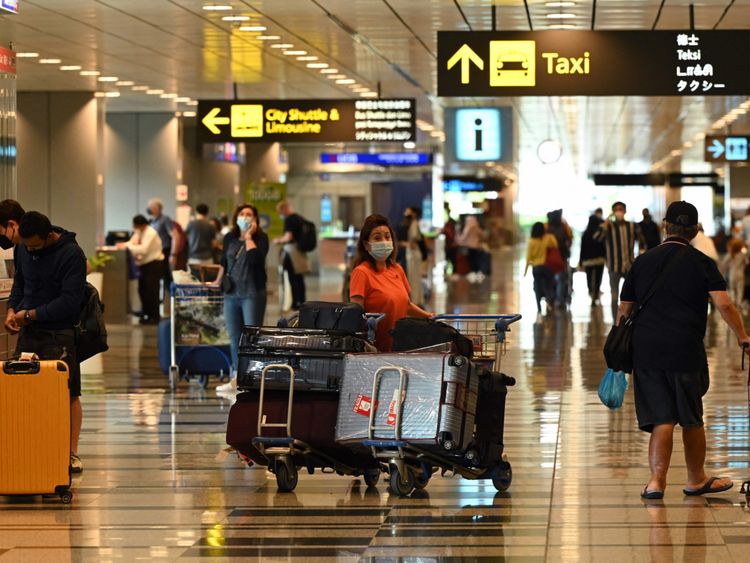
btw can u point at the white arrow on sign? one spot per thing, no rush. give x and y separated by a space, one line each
716 149
211 121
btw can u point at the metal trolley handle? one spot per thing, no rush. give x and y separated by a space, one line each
261 399
373 408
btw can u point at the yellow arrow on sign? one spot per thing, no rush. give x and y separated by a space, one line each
211 121
466 55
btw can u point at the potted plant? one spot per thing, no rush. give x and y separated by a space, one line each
96 265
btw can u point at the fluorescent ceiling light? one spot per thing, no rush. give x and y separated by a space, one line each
189 114
108 79
217 7
50 61
236 18
561 16
360 89
294 53
253 28
410 145
282 46
112 95
168 96
70 67
369 94
268 37
98 94
336 76
192 103
90 73
561 26
154 92
329 71
559 4
308 58
27 55
345 81
182 100
140 88
317 65
124 83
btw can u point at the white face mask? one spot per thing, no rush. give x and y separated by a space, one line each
381 250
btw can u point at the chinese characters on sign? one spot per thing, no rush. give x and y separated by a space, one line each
694 74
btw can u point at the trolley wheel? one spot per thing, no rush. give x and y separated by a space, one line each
502 476
203 381
372 476
174 377
286 476
66 497
421 480
401 485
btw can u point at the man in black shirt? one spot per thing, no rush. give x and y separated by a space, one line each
295 261
670 366
201 235
650 232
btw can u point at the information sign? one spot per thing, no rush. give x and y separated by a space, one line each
727 148
378 159
593 63
316 121
9 6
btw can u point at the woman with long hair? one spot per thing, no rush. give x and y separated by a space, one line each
536 256
243 278
378 283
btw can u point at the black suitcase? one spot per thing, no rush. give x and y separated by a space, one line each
345 317
300 339
490 417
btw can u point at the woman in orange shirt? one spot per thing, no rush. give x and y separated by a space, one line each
378 283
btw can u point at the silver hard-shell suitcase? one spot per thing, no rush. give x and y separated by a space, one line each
438 404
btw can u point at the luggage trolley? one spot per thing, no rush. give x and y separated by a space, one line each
412 466
285 454
198 339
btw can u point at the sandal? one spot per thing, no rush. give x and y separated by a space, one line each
706 488
652 495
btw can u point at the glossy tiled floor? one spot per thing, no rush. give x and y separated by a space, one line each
158 483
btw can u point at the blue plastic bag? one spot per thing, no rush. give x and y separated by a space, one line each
612 389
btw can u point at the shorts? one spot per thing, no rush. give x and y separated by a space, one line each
53 345
669 397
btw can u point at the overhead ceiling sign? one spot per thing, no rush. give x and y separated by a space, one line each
593 63
9 6
378 159
727 148
307 121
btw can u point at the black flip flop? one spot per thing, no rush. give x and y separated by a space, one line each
652 495
707 488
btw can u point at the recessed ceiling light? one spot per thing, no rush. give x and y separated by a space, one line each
70 67
189 114
294 53
27 55
124 83
345 81
140 88
168 96
559 4
50 61
236 18
154 92
410 145
329 71
336 76
360 89
182 100
268 37
317 65
90 73
217 7
253 28
561 16
192 103
369 94
282 46
561 26
98 94
112 95
308 58
108 79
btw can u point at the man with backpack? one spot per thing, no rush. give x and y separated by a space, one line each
300 237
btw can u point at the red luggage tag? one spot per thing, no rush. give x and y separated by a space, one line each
363 404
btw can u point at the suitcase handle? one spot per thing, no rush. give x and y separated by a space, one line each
21 367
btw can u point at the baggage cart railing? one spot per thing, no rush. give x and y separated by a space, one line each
486 332
289 449
398 408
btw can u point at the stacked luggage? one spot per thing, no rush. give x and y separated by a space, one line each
320 396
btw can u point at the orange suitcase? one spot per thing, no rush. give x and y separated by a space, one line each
35 429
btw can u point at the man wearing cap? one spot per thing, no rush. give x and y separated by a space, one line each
670 367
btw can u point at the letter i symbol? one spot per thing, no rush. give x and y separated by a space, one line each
478 135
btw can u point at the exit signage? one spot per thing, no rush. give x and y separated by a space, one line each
593 63
727 148
9 6
307 121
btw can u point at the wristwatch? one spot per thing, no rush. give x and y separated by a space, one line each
27 316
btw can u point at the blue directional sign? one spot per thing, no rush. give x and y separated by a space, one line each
9 6
727 148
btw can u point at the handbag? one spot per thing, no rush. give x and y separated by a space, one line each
346 317
618 348
612 389
553 260
413 334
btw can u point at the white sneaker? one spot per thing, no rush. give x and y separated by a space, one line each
480 277
230 387
472 277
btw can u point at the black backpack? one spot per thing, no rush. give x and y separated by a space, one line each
308 236
91 332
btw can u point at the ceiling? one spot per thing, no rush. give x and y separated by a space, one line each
386 45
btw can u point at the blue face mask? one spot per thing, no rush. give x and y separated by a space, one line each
381 250
243 223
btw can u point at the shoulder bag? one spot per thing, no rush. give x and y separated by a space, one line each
227 284
618 349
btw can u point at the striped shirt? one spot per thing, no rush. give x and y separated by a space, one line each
619 243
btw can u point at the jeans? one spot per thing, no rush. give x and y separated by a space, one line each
544 286
240 312
296 281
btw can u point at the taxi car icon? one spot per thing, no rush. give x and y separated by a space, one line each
512 63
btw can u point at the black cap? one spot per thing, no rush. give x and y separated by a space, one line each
682 213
